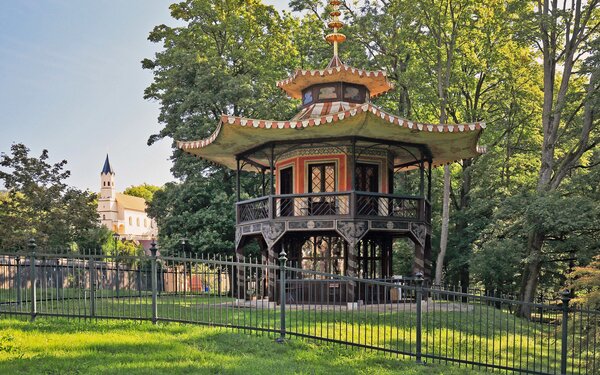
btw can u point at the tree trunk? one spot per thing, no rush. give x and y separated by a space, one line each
531 273
439 265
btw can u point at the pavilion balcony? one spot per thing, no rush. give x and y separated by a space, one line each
346 204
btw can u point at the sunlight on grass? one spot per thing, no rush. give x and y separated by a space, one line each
59 346
477 333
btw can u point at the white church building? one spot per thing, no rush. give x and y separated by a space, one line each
123 214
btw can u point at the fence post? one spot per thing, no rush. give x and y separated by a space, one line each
33 277
18 281
418 301
565 298
117 280
92 271
282 268
139 278
154 275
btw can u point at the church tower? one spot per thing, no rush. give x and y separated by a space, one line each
107 202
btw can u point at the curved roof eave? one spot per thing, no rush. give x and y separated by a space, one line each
376 81
235 135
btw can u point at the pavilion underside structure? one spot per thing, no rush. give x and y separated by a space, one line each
327 194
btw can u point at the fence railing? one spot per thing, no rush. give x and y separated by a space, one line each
344 203
408 319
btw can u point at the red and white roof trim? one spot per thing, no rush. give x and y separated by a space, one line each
328 119
332 70
381 85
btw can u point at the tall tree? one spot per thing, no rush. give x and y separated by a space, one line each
444 21
225 59
562 34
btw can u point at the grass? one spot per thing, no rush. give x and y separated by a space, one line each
58 346
454 330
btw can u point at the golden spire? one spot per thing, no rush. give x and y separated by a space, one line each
335 24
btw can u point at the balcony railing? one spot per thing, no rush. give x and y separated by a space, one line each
344 204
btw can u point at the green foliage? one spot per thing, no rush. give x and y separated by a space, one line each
200 211
40 204
225 60
228 55
586 280
403 254
145 191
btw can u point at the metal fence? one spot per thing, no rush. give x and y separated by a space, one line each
409 319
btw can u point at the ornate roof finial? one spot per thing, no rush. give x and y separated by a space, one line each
335 24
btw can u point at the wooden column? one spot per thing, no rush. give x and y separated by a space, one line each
272 169
352 270
262 172
422 177
240 274
419 260
237 179
429 180
272 257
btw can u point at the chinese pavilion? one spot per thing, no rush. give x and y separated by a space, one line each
329 201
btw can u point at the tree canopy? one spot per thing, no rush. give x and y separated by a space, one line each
521 217
38 203
144 190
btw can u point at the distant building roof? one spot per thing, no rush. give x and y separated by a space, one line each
130 202
107 169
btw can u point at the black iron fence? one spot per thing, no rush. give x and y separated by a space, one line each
405 318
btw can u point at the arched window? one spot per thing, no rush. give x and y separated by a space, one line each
145 223
103 183
103 217
137 221
130 220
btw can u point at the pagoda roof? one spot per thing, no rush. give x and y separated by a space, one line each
236 135
375 81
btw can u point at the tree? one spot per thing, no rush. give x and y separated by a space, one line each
586 280
226 59
40 204
563 35
199 211
451 61
145 191
444 22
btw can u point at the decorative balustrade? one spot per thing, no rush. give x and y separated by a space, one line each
375 204
317 204
253 209
345 204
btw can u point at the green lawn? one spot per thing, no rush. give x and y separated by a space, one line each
463 331
59 346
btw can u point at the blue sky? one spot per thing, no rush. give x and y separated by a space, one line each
71 82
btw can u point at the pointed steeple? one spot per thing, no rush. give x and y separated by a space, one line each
107 169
